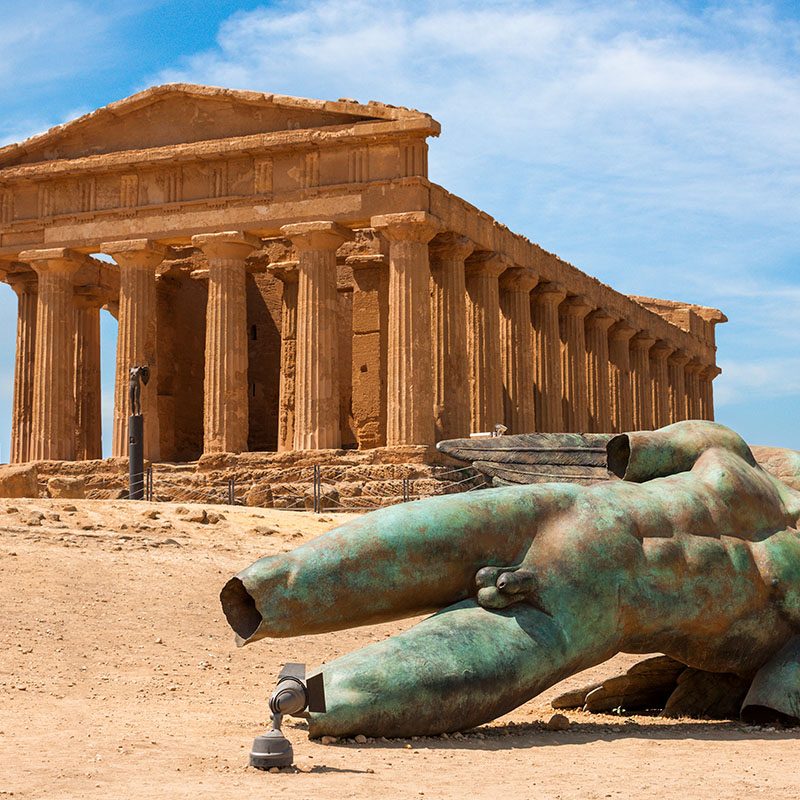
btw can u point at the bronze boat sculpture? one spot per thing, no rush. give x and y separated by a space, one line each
691 550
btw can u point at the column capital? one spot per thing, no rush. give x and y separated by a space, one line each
366 261
642 341
414 226
576 306
549 293
143 253
235 245
518 279
89 297
711 371
450 246
621 331
56 259
23 281
285 271
694 365
661 350
487 262
599 320
678 359
320 235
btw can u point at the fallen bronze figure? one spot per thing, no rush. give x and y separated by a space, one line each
691 549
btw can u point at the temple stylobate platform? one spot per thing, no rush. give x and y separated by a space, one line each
295 281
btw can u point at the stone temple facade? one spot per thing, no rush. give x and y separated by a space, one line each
295 281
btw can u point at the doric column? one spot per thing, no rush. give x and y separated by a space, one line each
545 300
619 376
516 336
693 405
409 417
596 331
137 343
368 368
316 413
574 394
677 385
226 404
659 383
451 406
483 339
707 390
641 391
88 397
25 285
53 419
287 273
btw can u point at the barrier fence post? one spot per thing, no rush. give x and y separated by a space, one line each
231 491
405 490
317 489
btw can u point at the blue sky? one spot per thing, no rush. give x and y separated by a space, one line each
653 144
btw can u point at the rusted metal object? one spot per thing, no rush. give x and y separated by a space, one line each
695 554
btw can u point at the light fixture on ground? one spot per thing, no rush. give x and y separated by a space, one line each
292 695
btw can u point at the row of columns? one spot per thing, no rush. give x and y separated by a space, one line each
472 341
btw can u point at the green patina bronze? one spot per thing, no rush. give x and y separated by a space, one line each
695 554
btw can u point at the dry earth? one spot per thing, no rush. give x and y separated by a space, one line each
119 679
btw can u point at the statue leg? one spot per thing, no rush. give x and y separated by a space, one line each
462 667
775 692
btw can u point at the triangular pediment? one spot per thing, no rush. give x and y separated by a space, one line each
182 114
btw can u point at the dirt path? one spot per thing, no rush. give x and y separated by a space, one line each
119 679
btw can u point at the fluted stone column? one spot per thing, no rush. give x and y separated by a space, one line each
641 390
26 287
370 336
619 376
677 385
88 395
137 343
483 340
451 405
287 273
226 404
659 383
596 332
545 300
693 405
707 390
409 417
53 418
574 393
316 414
516 337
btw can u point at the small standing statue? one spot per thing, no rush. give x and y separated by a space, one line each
138 375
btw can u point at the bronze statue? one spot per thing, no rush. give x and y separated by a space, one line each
138 375
693 552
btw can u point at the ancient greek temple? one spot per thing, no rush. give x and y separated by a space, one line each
294 281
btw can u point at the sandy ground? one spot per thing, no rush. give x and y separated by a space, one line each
119 679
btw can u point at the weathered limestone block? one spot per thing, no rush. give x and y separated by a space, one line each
19 481
370 312
545 300
409 389
516 337
67 488
574 394
317 380
259 495
451 406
